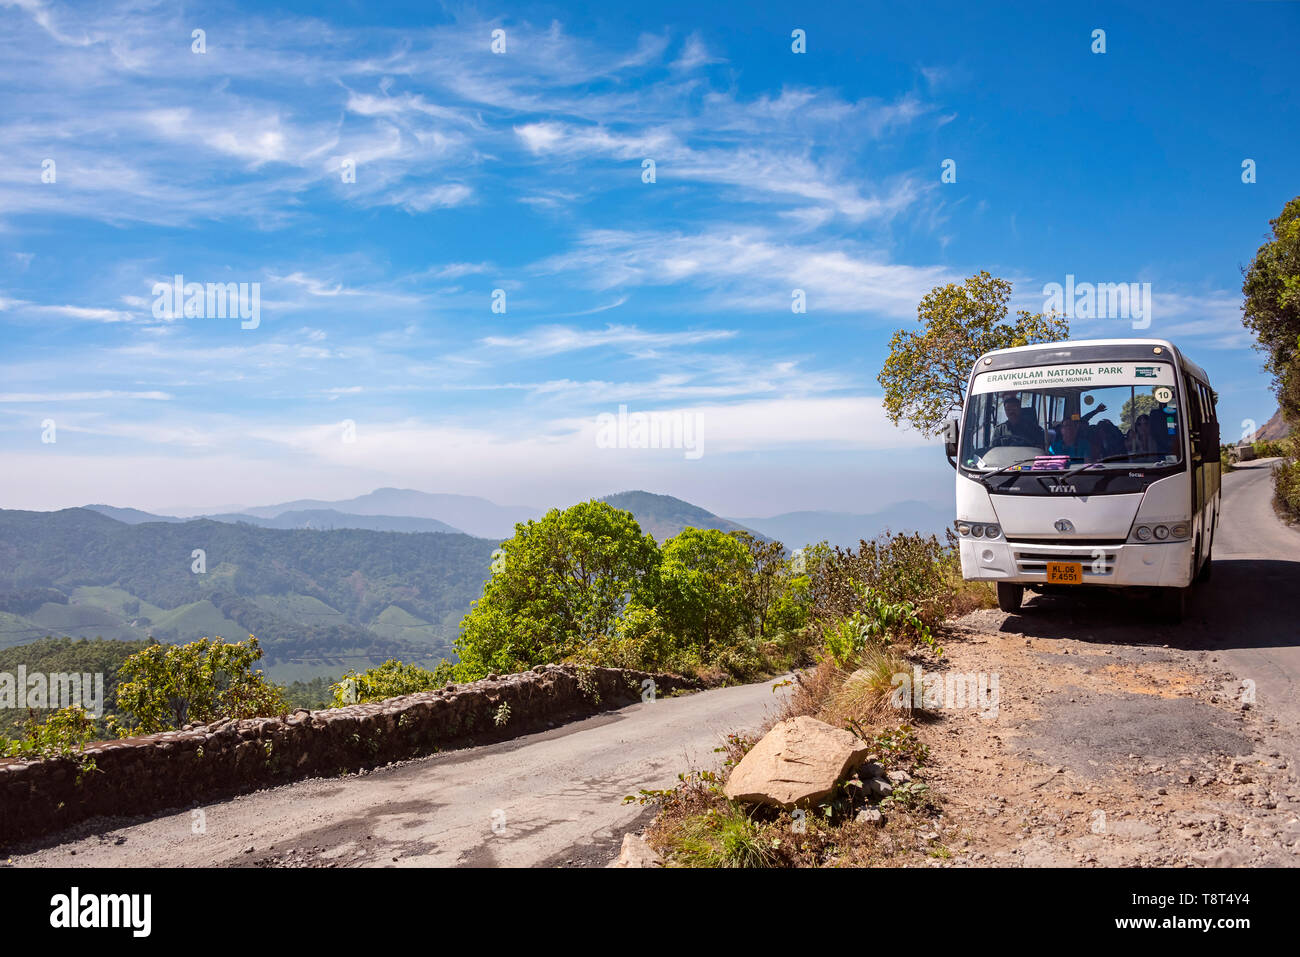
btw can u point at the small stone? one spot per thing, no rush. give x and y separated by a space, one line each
878 787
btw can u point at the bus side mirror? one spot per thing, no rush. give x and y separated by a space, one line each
950 441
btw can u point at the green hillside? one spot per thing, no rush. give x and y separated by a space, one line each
664 516
309 596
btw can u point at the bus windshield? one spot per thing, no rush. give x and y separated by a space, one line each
1108 415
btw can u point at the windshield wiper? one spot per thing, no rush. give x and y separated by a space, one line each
1008 468
1108 458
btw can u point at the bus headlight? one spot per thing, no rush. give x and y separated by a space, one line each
978 530
1162 532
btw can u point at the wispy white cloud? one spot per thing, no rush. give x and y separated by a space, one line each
37 398
551 340
749 269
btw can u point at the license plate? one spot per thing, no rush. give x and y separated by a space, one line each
1064 573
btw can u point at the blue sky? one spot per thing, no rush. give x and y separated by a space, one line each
522 171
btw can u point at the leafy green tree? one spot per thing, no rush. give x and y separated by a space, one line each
1271 309
764 581
926 373
1138 405
564 581
166 686
702 586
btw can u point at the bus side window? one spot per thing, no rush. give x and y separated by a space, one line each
1195 417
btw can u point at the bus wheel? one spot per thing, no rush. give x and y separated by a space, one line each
1173 604
1204 574
1010 596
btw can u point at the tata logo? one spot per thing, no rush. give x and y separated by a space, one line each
1064 526
1063 490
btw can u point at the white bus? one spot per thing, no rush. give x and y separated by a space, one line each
1084 464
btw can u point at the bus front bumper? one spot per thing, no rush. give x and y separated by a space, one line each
1154 565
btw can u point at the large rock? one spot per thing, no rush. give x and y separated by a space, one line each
798 762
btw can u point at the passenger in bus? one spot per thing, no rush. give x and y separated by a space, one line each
1107 440
1020 428
1139 437
1072 439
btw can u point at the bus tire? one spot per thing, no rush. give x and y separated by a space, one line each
1204 574
1010 596
1173 604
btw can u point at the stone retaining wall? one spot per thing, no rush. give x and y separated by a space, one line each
177 769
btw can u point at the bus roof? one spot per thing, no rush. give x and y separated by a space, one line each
1126 347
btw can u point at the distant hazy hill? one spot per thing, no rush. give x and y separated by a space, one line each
320 519
324 519
132 516
469 513
797 529
1275 428
304 593
664 516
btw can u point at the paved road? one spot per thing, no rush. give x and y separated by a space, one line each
1251 607
1248 614
552 796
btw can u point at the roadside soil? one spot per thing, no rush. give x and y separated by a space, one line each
1118 746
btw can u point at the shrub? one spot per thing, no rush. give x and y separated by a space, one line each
165 686
63 733
1286 484
392 679
891 569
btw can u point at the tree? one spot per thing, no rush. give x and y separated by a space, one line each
926 373
764 582
1271 309
166 686
563 582
1138 405
701 587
